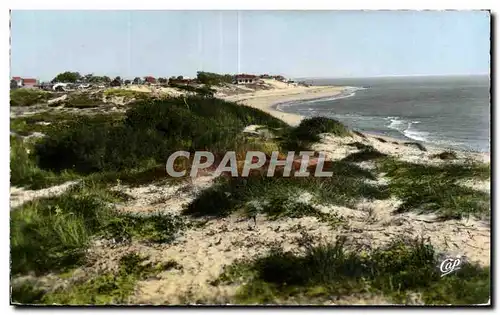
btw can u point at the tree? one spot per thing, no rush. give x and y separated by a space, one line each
180 77
118 79
162 80
127 82
210 78
88 78
137 80
116 82
67 77
106 79
13 84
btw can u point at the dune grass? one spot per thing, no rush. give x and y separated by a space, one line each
445 155
330 270
52 234
367 153
107 288
309 129
29 97
429 188
24 171
152 130
278 196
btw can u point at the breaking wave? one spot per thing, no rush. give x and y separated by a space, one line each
408 128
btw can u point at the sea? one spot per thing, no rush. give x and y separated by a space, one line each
442 111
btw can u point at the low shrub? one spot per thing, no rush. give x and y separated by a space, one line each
366 154
29 97
151 131
328 269
308 131
345 187
108 288
445 155
429 188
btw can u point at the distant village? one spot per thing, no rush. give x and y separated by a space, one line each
72 81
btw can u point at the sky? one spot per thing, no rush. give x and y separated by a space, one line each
291 43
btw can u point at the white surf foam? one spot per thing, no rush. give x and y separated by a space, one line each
408 129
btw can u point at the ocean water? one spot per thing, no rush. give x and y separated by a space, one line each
449 112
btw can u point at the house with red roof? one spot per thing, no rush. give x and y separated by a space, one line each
29 82
150 80
246 79
25 82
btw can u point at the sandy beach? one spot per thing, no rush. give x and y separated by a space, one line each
265 99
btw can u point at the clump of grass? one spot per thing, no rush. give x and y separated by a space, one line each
366 154
360 146
52 234
330 269
126 94
359 134
83 100
381 139
24 171
26 293
343 188
109 288
21 127
450 172
28 97
155 228
429 188
308 131
445 155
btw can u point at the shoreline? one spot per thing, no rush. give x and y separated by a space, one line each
268 100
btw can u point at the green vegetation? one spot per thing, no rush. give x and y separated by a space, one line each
127 94
67 77
307 132
429 188
445 155
52 234
204 91
280 196
209 78
25 172
83 100
108 288
366 154
329 270
151 131
29 97
155 228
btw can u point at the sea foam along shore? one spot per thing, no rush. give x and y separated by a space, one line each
267 100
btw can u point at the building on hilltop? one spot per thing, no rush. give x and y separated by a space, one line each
246 79
149 80
25 82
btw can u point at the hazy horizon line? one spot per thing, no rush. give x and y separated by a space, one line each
395 75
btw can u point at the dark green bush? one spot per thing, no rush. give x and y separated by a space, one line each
330 269
151 131
300 137
28 97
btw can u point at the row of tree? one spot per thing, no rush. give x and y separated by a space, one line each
74 77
